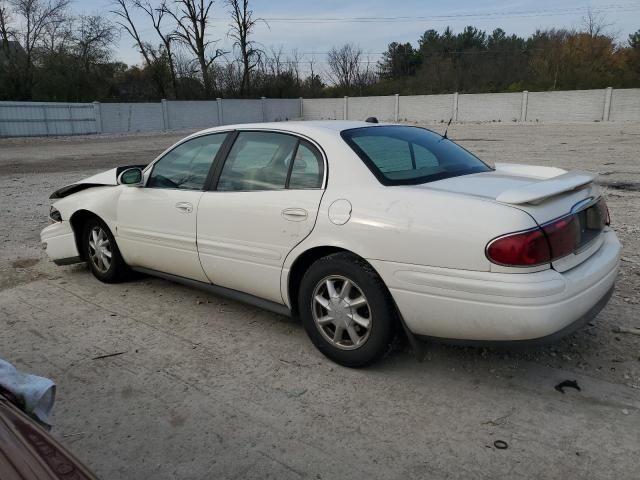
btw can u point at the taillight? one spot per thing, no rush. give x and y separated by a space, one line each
524 249
563 236
552 241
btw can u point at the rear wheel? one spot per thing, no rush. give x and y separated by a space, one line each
102 253
347 310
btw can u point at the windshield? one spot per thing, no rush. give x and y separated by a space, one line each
399 155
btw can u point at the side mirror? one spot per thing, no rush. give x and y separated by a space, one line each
131 177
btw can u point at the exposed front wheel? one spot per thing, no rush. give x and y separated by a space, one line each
101 252
346 310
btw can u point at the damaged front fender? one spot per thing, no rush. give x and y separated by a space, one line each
104 179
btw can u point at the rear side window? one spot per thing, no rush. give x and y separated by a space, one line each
258 161
399 155
186 167
271 161
308 168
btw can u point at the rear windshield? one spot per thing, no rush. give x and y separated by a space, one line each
399 155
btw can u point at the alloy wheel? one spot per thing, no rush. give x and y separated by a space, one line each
100 251
341 312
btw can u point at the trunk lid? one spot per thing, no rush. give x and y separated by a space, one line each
545 193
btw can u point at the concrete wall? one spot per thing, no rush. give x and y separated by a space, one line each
185 115
426 108
570 106
40 118
25 119
241 111
323 109
282 109
383 108
490 107
625 105
131 117
566 106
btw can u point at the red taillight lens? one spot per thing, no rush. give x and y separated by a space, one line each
523 249
552 241
563 236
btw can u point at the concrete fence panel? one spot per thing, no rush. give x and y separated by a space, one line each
490 107
383 108
241 111
27 119
426 108
183 115
625 105
569 106
131 117
323 108
281 109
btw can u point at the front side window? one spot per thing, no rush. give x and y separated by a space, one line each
399 155
270 161
186 167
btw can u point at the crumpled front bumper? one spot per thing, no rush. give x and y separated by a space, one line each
59 242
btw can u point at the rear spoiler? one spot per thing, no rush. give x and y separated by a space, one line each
550 187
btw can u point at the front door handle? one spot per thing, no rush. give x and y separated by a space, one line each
295 214
184 207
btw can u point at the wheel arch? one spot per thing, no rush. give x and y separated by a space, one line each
77 220
302 263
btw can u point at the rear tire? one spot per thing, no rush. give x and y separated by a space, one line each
347 310
102 253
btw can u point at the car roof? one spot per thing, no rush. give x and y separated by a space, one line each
303 127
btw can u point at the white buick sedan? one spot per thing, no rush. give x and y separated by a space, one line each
360 229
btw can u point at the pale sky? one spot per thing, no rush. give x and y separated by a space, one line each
319 25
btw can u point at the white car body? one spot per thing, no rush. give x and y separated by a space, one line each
427 242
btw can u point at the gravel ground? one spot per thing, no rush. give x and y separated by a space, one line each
209 388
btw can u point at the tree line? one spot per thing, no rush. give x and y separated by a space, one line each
47 53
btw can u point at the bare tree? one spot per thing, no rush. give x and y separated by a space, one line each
295 61
344 65
93 38
149 54
600 42
156 15
192 19
58 36
274 63
594 24
121 10
7 33
242 27
33 17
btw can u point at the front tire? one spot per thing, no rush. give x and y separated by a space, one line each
347 310
102 253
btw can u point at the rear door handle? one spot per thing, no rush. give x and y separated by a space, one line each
295 214
184 207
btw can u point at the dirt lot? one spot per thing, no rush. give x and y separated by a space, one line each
209 388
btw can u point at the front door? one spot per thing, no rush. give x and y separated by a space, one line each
265 203
156 226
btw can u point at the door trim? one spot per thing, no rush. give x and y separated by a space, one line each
222 291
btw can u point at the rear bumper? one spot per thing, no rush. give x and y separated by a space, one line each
501 307
60 243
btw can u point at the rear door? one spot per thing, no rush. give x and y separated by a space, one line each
157 223
263 203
